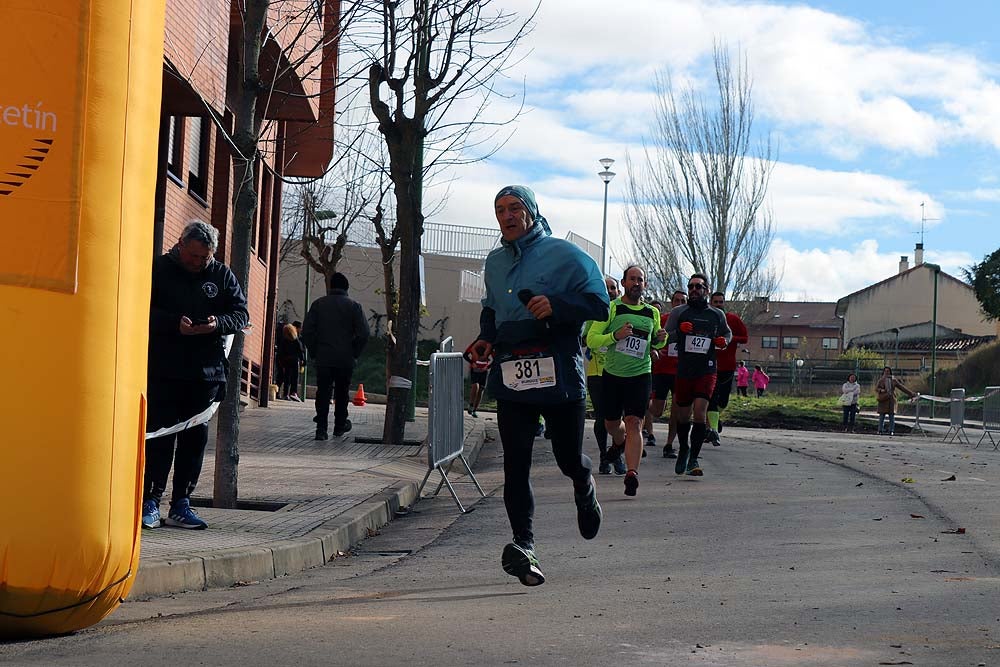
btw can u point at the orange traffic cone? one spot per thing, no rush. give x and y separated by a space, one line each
359 395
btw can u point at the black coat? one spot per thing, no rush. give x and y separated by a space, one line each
177 292
290 352
335 330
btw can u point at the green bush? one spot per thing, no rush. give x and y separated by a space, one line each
860 357
979 370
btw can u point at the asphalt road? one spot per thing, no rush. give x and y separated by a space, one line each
774 558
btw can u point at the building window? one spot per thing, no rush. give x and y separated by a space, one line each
199 133
769 342
175 147
831 343
790 342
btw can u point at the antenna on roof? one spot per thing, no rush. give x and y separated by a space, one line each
923 220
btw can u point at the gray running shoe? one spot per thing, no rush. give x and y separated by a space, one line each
694 469
619 465
520 562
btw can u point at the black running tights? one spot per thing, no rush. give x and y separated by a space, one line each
518 423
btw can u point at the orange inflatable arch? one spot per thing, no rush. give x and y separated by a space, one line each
79 111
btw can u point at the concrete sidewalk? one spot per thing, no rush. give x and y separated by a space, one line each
303 502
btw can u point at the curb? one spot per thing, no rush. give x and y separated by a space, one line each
227 567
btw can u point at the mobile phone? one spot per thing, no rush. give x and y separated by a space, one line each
198 321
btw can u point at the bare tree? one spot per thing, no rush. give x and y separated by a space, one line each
696 202
430 67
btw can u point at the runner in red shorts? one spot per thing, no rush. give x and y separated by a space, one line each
698 329
664 375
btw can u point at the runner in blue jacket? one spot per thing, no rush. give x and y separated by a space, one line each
539 292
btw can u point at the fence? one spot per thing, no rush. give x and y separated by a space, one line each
812 379
956 421
446 421
991 416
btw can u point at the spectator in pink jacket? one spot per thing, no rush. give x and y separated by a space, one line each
742 378
760 380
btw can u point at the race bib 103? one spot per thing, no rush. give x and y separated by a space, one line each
633 346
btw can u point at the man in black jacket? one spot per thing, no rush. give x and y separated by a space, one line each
195 302
335 333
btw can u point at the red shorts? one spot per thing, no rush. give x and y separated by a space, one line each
688 389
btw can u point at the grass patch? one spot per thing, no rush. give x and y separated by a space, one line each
796 414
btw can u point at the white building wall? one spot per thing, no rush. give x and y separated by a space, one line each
445 314
909 299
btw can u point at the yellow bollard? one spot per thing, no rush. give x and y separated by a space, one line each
79 117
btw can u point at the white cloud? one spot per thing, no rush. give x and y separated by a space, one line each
829 83
979 194
830 76
827 274
837 203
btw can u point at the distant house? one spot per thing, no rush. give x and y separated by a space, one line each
780 330
909 347
902 307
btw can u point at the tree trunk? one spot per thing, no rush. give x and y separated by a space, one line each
391 305
245 136
410 222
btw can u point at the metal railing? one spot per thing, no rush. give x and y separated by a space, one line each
446 421
438 239
471 286
991 416
956 421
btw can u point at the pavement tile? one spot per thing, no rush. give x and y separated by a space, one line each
327 494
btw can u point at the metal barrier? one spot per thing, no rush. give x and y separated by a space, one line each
445 421
917 426
991 416
956 426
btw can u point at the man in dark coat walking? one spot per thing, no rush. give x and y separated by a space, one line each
335 333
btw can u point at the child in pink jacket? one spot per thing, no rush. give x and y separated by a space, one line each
742 378
760 380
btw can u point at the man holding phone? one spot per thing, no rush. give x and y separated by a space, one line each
195 302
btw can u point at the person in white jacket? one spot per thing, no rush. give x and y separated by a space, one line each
850 392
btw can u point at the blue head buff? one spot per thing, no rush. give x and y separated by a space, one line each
527 197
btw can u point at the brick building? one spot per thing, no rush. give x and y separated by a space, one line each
782 330
195 177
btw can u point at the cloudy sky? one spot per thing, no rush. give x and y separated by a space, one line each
875 111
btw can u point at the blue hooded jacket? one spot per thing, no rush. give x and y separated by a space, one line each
575 288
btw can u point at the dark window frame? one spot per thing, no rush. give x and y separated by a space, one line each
790 342
198 183
175 149
765 340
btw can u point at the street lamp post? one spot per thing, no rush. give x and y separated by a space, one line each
606 176
896 348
